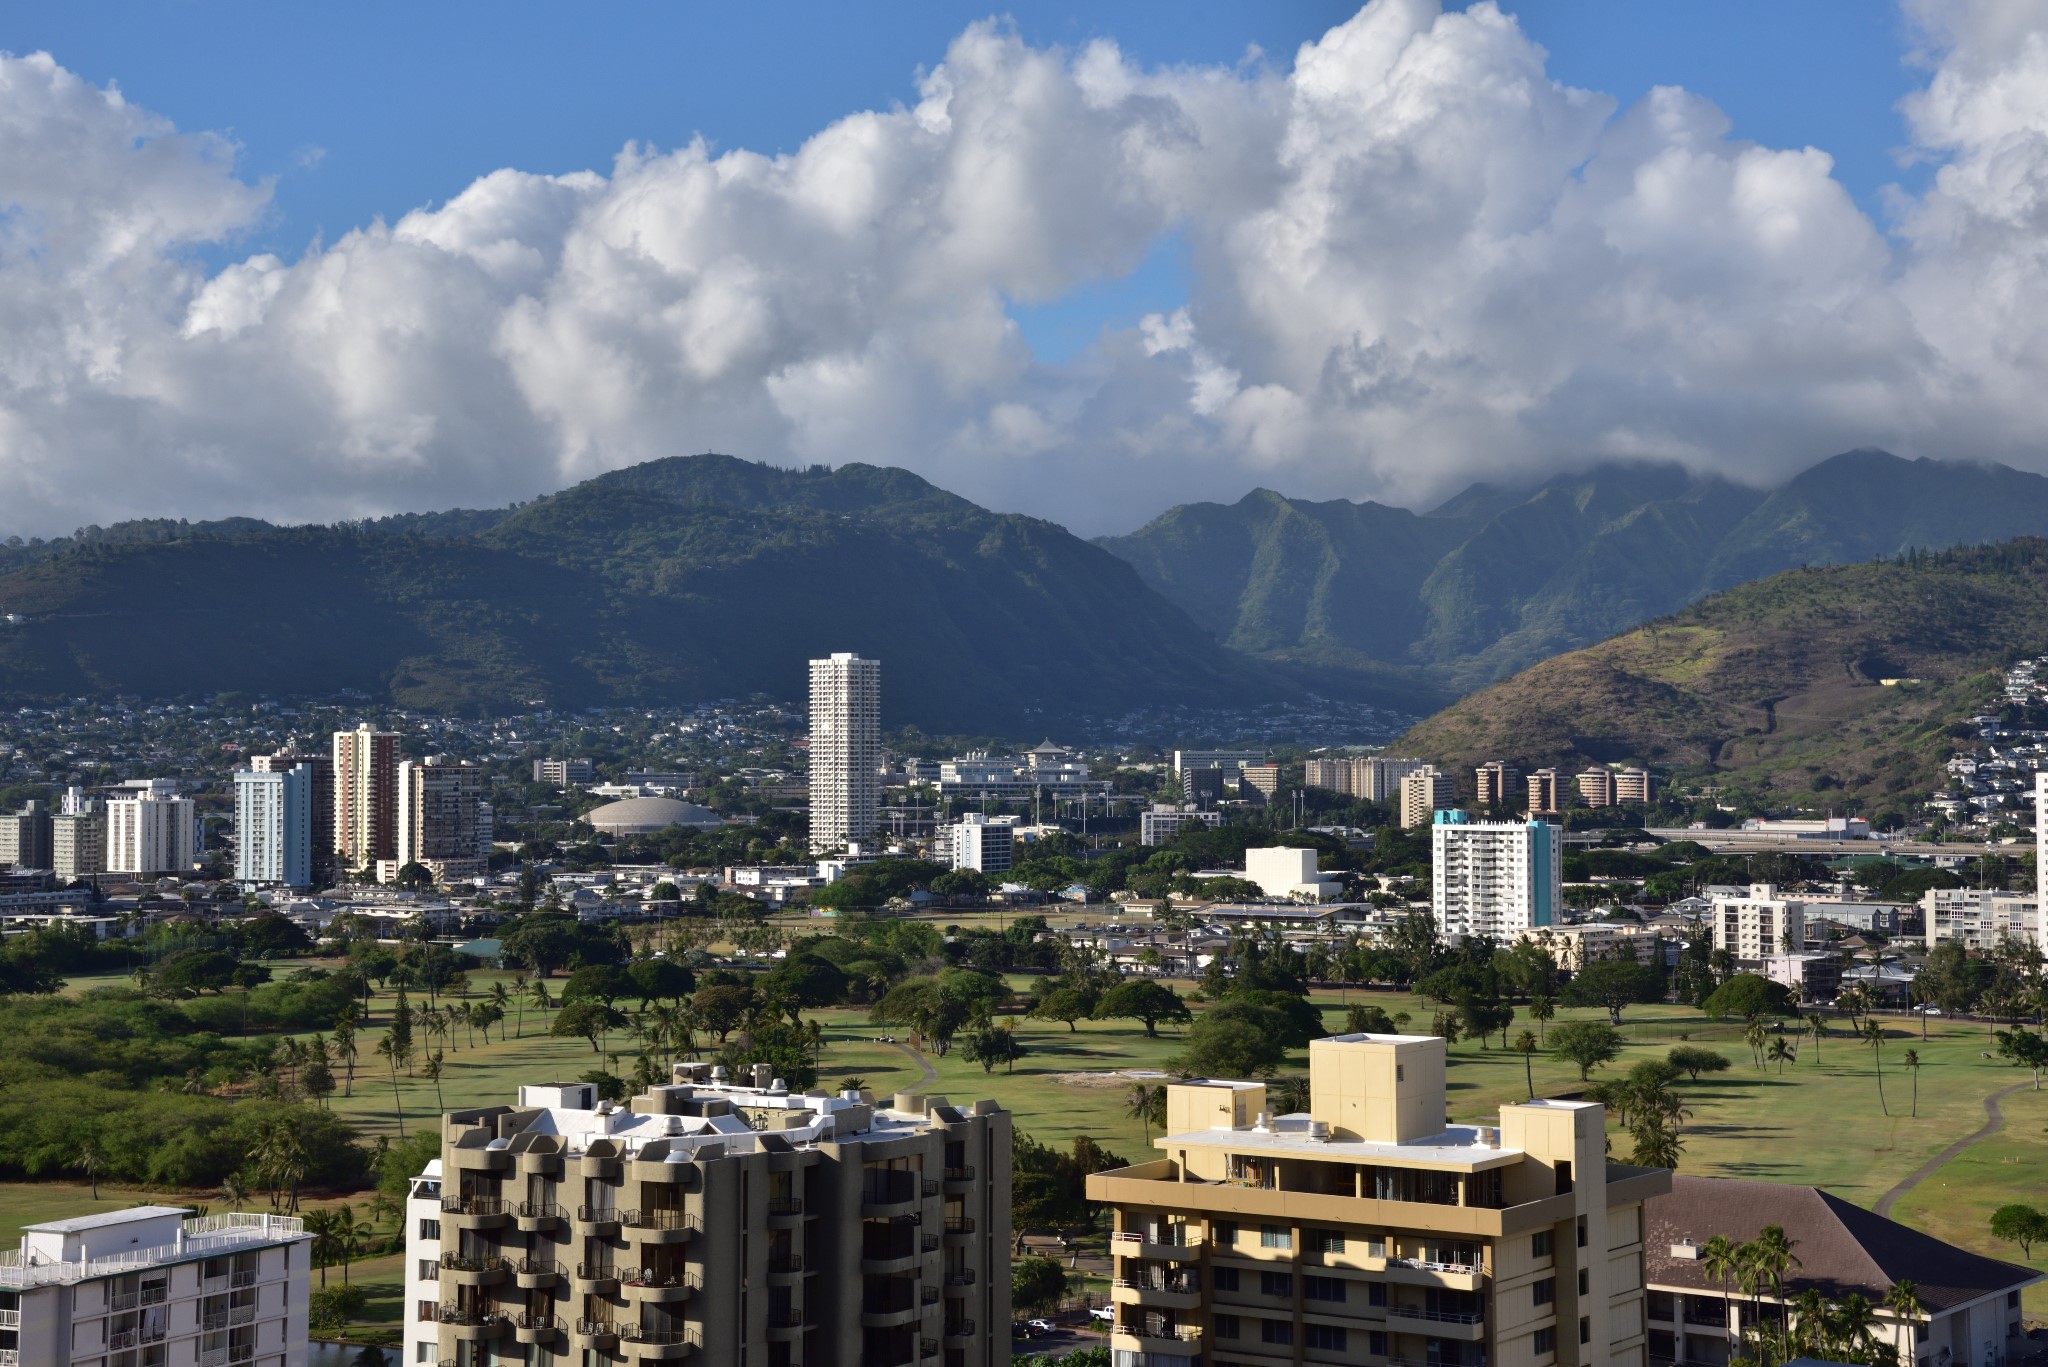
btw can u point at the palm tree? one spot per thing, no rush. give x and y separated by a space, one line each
1720 1258
1526 1045
349 1235
233 1190
91 1162
1754 1034
1544 1009
1903 1300
518 994
1817 1026
320 1224
1911 1058
1780 1050
1772 1254
1138 1106
345 1053
1873 1035
537 990
433 1071
391 1053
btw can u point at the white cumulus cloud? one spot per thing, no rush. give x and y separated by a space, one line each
1415 260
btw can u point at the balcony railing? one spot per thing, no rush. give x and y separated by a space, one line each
963 1276
785 1319
1426 1265
785 1205
633 1333
541 1210
597 1272
957 1329
546 1267
1179 1286
475 1262
607 1215
527 1320
472 1205
1186 1333
594 1328
792 1262
963 1173
661 1219
1416 1312
959 1224
473 1316
657 1277
201 1236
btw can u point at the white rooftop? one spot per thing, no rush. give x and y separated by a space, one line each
79 1224
1465 1147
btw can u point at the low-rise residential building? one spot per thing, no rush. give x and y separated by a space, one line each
157 1285
1494 878
1812 976
1572 947
1160 822
1371 1229
1979 919
564 773
726 1223
1970 1305
1757 922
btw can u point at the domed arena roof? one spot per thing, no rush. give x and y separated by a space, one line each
646 815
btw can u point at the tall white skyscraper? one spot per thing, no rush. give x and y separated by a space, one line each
846 750
1495 878
274 826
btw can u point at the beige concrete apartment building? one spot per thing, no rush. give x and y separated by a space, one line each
1545 794
1424 793
718 1223
1498 784
1370 1230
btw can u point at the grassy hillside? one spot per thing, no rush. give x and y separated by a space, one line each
675 581
1777 684
1494 580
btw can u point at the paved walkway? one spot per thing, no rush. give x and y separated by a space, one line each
1994 1122
931 1074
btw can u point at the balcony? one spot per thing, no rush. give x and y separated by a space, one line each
960 1176
1170 1340
784 1211
886 1196
1179 1293
959 1329
596 1333
887 1259
657 1345
1467 1326
959 1279
474 1212
657 1226
528 1328
535 1216
473 1322
890 1311
654 1286
478 1270
534 1273
121 1338
599 1279
1171 1245
605 1219
958 1227
1445 1276
785 1264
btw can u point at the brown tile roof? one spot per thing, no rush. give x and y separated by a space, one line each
1841 1247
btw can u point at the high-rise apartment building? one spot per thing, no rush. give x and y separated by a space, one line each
78 842
1372 1230
25 838
846 751
1634 787
740 1224
1230 761
441 817
1332 775
1263 779
1758 924
1546 798
321 801
150 829
1378 779
975 842
365 796
2041 838
274 827
564 773
1498 785
1596 787
155 1286
1424 792
1496 878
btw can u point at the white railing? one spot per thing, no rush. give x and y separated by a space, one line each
201 1237
10 1319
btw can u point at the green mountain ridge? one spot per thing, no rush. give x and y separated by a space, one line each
675 581
1494 580
1777 686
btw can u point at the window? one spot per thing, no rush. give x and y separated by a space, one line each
1325 1241
1543 1341
1276 1283
1226 1278
1400 1072
1582 1231
1376 1342
1226 1233
428 1311
1375 1293
1545 1291
1323 1288
1564 1176
429 1270
1539 1244
430 1229
1276 1331
2012 1300
427 1352
1325 1336
1226 1326
1585 1329
1275 1236
1920 1332
1585 1281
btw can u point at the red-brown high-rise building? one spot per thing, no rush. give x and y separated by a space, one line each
365 796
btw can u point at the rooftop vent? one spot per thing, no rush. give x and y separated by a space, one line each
1319 1130
1264 1124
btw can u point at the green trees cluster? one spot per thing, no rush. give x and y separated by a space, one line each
1810 1324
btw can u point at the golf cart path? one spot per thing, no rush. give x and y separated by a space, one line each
931 1074
1994 1121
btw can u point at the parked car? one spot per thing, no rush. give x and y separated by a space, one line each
1103 1313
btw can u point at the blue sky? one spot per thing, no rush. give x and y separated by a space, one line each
360 111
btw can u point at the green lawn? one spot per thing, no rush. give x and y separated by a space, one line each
1819 1122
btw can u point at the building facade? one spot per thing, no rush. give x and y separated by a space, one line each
1370 1229
564 773
78 843
1596 787
274 827
727 1224
975 842
1634 787
1976 919
25 838
1230 761
441 817
1424 793
1497 878
150 830
1498 785
1263 779
1546 798
154 1286
365 796
846 751
321 801
1757 924
1159 823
